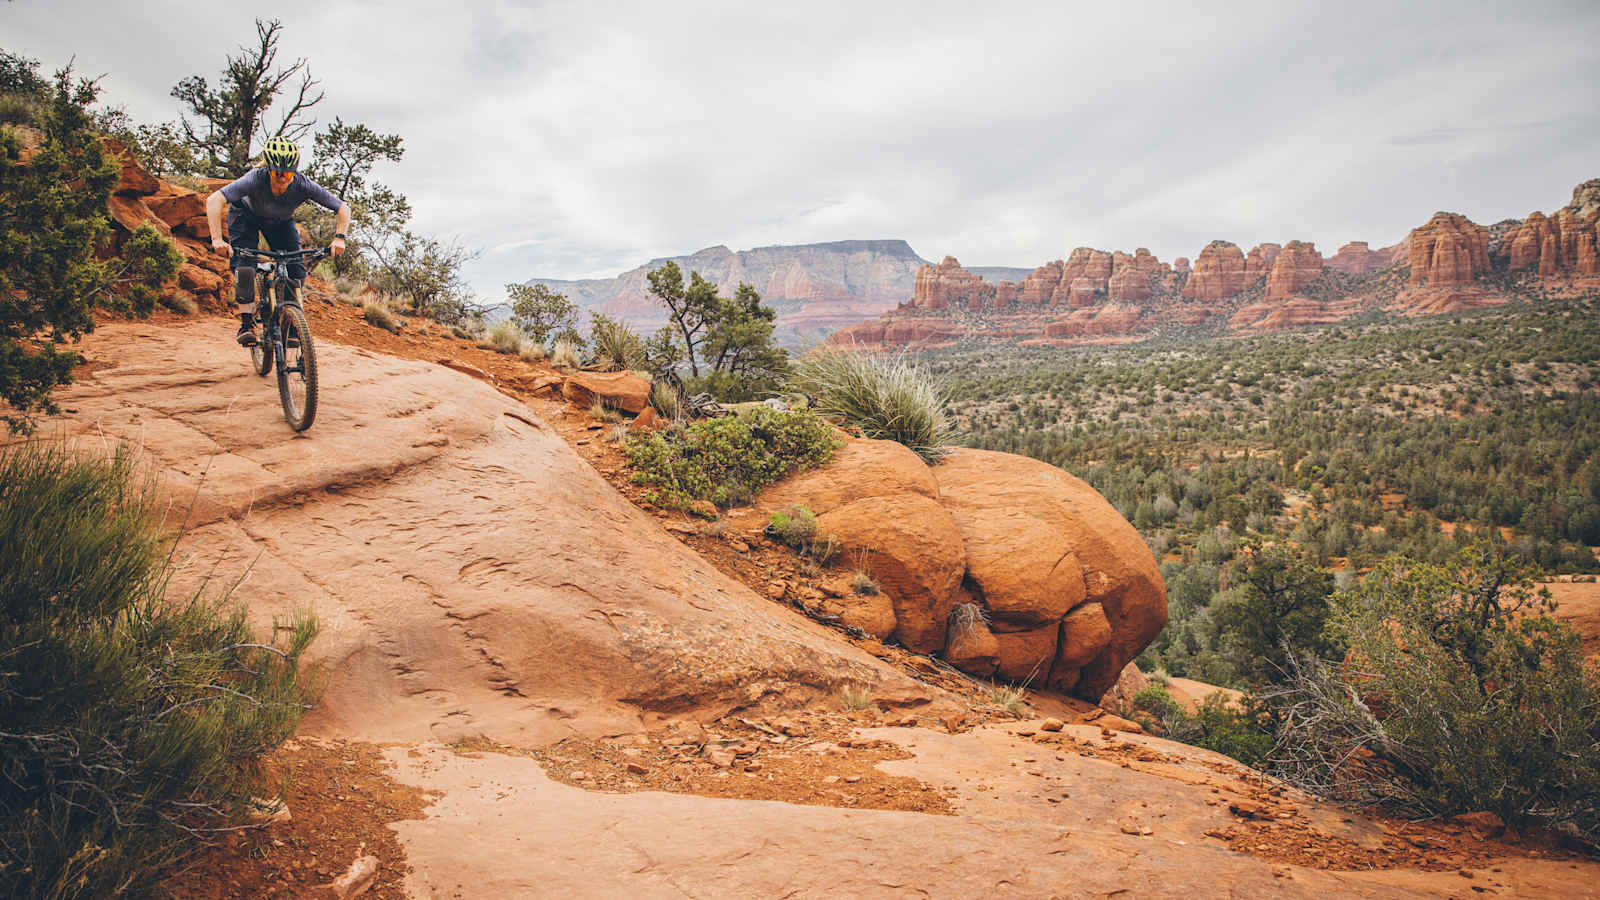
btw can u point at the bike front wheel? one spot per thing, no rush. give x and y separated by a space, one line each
297 374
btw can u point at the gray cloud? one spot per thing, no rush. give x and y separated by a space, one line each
579 139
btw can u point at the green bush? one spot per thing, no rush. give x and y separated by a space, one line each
794 525
1459 693
133 721
887 398
727 460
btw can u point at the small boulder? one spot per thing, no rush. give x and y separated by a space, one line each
175 205
646 421
1027 655
626 391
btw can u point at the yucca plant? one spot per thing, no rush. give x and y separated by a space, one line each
887 398
616 346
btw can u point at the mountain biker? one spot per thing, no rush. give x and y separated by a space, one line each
262 203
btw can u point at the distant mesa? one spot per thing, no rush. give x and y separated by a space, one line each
1099 296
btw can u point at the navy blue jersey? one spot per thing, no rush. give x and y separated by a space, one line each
253 191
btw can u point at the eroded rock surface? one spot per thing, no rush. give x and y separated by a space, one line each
472 575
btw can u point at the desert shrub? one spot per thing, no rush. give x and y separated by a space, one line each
1459 693
380 315
730 459
886 397
1242 730
796 526
615 346
16 109
967 616
134 720
533 351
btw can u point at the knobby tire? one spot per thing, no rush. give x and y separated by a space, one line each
292 325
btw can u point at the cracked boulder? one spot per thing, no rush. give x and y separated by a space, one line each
1041 544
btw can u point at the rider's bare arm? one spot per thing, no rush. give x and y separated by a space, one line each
214 204
342 227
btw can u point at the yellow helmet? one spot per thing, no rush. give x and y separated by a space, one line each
281 155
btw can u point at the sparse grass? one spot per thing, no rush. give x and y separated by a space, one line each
564 354
864 584
888 398
504 337
376 313
667 400
533 351
601 412
181 303
617 433
855 696
1013 699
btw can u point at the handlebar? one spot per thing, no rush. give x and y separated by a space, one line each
303 254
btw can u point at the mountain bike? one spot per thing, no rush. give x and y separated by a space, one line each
285 339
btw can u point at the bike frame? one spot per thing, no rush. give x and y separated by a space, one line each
268 280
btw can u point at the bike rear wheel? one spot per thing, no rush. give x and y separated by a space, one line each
297 376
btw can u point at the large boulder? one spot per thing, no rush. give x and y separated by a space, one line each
910 544
860 469
1098 550
627 391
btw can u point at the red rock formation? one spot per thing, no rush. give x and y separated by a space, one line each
1296 266
1450 249
1130 280
1562 244
1218 272
1356 257
947 285
1086 274
1258 262
1181 264
1005 296
1038 288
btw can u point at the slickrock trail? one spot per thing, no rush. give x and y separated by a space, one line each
481 586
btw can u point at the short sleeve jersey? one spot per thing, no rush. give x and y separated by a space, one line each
253 191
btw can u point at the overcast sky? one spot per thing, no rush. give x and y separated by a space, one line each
581 139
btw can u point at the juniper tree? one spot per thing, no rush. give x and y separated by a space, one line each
53 221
